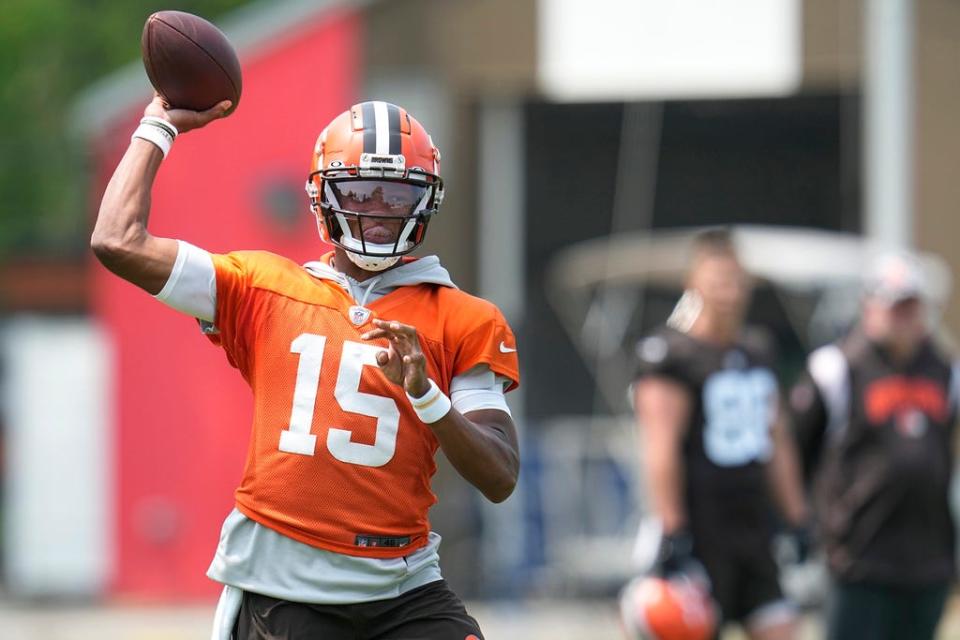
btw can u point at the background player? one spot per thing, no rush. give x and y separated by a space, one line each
362 364
875 416
706 400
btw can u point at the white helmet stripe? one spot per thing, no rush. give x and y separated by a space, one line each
382 124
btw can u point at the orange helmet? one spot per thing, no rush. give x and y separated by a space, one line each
374 183
676 608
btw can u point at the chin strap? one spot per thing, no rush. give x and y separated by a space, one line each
371 263
368 263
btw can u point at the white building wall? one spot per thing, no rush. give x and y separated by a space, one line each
57 469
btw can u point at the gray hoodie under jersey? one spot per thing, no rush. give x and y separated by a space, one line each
252 557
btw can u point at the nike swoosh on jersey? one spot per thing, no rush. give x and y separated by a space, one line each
505 349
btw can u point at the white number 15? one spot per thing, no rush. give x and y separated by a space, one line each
298 439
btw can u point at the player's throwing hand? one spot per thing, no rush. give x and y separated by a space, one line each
185 119
402 362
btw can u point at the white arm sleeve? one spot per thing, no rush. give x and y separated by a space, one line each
479 388
192 286
830 372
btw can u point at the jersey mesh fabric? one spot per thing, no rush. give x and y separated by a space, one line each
266 303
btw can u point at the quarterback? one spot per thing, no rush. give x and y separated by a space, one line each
362 364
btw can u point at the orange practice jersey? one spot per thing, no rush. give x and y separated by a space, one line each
338 459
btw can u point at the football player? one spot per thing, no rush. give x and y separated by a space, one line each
876 416
707 404
362 364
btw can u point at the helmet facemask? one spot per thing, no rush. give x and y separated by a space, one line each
358 213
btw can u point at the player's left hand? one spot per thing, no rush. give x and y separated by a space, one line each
403 361
674 555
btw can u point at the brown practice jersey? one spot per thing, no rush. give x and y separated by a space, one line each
733 395
877 439
338 459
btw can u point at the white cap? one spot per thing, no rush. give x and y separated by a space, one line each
895 277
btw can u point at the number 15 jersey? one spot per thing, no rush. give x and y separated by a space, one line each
338 459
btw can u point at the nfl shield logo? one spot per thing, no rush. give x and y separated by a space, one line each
359 315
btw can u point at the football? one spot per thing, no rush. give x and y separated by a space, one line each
189 61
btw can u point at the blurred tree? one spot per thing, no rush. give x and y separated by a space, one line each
49 51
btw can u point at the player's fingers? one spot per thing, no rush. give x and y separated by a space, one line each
216 111
396 327
390 357
157 107
404 336
219 110
414 359
397 341
160 100
406 344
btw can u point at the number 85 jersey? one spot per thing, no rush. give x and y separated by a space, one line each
734 397
338 459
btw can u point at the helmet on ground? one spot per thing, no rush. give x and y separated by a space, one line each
674 608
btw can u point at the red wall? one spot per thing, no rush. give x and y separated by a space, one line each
182 414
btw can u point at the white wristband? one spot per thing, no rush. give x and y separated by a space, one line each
432 405
156 134
162 123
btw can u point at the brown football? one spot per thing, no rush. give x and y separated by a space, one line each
189 61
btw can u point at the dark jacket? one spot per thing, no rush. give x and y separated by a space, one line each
876 439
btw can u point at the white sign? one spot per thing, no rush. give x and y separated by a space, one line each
616 50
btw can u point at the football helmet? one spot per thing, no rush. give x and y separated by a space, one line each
374 183
675 608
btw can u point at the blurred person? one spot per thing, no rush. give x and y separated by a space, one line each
714 441
874 416
362 364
